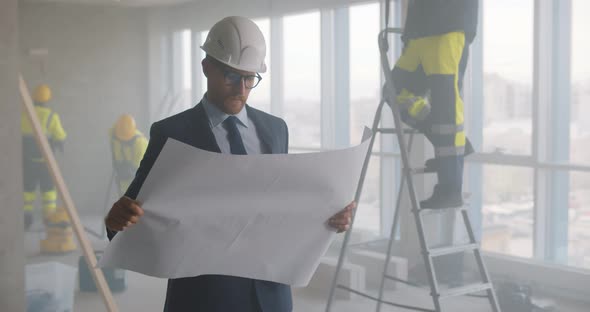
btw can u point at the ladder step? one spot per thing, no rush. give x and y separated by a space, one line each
464 290
441 251
393 130
393 278
354 291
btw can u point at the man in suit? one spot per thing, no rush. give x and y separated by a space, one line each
223 123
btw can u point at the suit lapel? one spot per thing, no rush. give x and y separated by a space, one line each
263 131
199 132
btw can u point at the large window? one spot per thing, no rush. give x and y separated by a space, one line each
365 82
365 86
202 55
508 75
579 220
180 93
369 216
508 210
302 79
260 96
579 194
507 202
580 84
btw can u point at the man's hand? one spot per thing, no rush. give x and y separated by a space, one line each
124 213
342 220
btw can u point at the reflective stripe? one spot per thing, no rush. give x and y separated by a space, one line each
49 202
29 199
50 196
446 129
449 151
29 196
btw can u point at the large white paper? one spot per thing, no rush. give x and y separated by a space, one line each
254 216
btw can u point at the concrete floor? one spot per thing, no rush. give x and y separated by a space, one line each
146 293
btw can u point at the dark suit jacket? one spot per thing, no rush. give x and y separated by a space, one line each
213 293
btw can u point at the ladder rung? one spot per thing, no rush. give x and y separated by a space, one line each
354 291
360 293
441 251
393 130
402 281
464 290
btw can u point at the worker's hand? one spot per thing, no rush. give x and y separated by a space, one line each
342 221
124 213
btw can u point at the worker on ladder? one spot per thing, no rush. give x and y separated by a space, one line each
423 92
35 172
428 78
127 148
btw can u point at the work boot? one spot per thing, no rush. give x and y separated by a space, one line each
57 218
28 220
442 198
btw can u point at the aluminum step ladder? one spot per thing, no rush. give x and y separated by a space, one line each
428 253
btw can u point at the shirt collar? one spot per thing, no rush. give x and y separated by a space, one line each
217 116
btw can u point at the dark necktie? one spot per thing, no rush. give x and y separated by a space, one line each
236 145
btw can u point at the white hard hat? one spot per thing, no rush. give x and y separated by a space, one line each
237 42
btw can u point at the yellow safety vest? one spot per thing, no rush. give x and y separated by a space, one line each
51 126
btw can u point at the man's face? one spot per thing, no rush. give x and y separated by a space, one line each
226 87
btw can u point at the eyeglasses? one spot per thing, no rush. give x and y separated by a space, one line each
233 78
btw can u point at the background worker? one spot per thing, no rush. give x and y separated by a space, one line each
35 172
127 148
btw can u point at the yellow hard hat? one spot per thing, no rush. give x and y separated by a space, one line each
42 94
125 127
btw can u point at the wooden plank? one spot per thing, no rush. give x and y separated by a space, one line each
62 189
